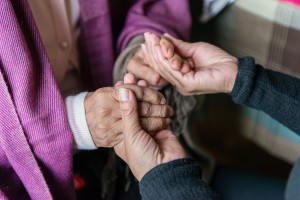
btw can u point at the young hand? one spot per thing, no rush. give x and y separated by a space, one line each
215 70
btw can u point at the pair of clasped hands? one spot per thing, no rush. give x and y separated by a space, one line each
134 119
194 68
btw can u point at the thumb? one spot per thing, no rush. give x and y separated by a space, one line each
129 112
183 48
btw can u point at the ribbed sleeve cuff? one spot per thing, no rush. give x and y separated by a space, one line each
244 81
77 121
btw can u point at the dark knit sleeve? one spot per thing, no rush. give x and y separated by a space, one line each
275 93
178 179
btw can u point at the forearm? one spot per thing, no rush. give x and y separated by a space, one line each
160 16
274 93
178 179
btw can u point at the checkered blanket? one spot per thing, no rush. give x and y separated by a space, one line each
269 31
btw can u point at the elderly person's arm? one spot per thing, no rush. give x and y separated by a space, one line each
158 16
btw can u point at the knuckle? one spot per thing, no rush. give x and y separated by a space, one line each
103 111
164 111
147 124
102 129
127 110
159 123
157 97
148 109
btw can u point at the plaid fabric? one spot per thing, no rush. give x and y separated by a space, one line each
269 31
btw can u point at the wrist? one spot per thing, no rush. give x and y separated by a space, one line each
77 121
180 154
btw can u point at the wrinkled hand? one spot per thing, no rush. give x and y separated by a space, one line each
140 149
215 70
104 118
138 66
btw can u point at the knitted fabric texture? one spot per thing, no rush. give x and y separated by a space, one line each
35 137
276 94
178 179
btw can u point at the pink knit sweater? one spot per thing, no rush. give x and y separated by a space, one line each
35 138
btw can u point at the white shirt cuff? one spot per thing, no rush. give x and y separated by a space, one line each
77 121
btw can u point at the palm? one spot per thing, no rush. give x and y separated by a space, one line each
213 72
161 148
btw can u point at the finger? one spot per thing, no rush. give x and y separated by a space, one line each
183 48
142 83
154 39
191 63
129 78
168 73
144 94
128 108
157 56
153 110
147 38
154 65
164 64
154 124
176 62
167 47
145 53
119 83
149 60
143 72
185 67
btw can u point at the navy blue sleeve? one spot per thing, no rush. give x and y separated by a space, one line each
275 93
178 179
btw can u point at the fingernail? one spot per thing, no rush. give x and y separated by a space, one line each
163 101
123 94
119 83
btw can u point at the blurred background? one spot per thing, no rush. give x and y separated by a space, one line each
234 142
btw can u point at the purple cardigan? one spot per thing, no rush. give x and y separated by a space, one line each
35 138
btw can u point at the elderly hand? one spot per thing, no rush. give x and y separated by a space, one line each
141 149
215 70
104 118
138 66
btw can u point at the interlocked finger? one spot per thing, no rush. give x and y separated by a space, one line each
153 110
154 124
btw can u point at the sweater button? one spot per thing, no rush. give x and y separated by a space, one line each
64 45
